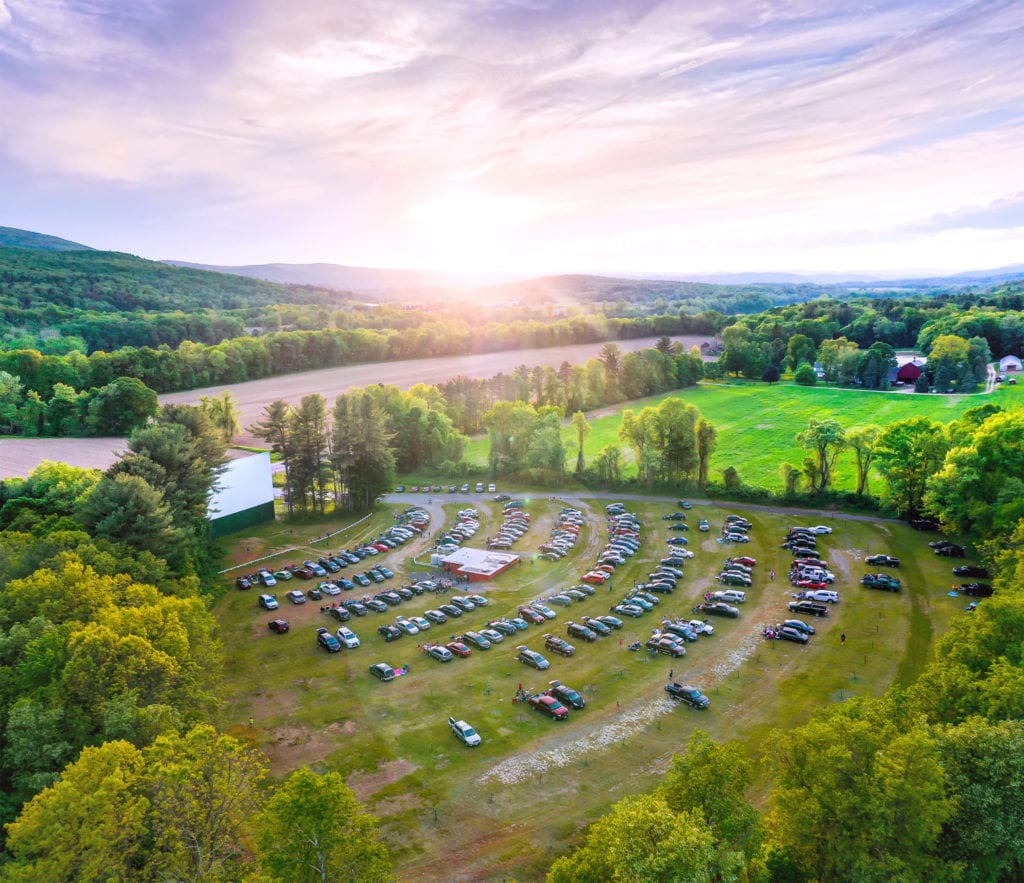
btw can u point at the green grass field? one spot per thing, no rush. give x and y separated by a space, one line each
757 423
507 808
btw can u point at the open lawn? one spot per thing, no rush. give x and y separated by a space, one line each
507 808
757 423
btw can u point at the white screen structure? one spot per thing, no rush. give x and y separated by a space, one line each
245 483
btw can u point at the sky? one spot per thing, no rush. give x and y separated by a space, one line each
521 136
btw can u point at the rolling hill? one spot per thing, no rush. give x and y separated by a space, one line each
12 237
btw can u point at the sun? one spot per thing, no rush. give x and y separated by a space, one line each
472 232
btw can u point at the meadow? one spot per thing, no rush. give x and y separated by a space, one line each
757 423
507 808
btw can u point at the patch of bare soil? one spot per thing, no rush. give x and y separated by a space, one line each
365 785
290 747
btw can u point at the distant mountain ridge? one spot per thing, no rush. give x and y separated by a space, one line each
344 278
12 237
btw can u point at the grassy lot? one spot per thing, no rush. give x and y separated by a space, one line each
757 423
507 808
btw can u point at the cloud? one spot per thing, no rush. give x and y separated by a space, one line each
649 131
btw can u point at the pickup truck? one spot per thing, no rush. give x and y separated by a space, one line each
687 694
811 607
464 733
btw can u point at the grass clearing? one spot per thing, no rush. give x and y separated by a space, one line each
757 423
507 808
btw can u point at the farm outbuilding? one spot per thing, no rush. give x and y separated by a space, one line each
909 372
1008 364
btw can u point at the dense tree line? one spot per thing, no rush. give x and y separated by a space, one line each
109 664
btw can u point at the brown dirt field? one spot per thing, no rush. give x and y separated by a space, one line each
365 785
254 395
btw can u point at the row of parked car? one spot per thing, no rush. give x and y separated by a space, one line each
564 534
465 528
515 523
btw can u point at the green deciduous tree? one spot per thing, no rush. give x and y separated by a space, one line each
582 427
861 440
710 781
980 487
204 789
90 825
826 440
314 829
124 404
707 442
801 350
805 375
860 794
641 838
907 453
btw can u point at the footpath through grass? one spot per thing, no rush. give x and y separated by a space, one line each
757 423
508 808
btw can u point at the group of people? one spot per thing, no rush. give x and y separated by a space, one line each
772 633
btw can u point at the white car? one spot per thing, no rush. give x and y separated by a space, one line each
329 589
348 638
826 595
822 528
731 596
701 627
464 733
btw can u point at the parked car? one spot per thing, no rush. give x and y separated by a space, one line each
612 621
667 644
278 625
730 596
441 654
450 610
882 561
811 607
799 625
382 671
703 525
243 582
630 610
687 694
406 626
389 632
531 615
794 635
558 645
376 605
717 608
976 590
701 627
825 596
493 635
532 658
549 705
347 637
880 581
326 640
970 570
267 602
464 732
580 630
596 625
950 550
476 640
266 578
566 694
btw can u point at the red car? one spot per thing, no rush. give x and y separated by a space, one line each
531 615
302 572
549 705
595 576
746 560
810 584
459 649
278 625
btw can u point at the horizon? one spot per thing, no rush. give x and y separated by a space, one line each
524 139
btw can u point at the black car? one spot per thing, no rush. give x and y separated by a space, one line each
595 625
689 695
924 524
314 594
389 632
392 599
326 640
794 635
811 607
975 590
951 550
718 608
970 570
328 564
799 625
579 630
376 605
565 694
882 560
450 610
